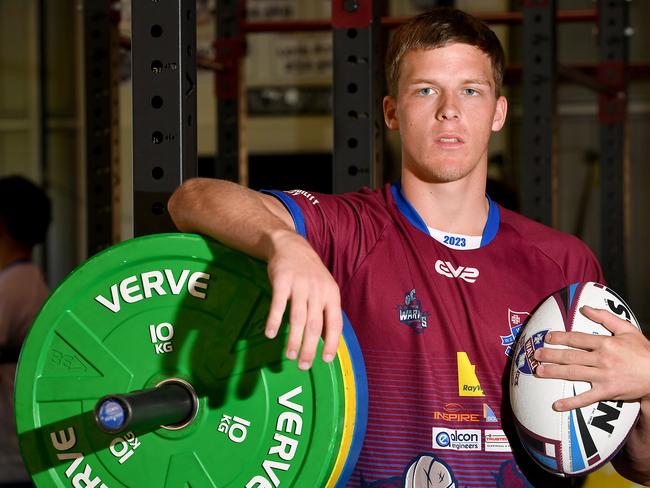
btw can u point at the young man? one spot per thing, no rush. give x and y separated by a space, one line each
24 219
432 274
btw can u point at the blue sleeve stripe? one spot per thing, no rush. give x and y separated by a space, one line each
293 208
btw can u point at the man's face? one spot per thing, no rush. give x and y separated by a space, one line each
445 110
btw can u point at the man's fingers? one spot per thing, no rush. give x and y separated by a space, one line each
276 310
311 335
578 340
297 322
570 372
565 356
578 401
611 322
333 327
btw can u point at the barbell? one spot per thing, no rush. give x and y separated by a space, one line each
148 366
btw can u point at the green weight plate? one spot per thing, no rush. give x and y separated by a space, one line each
178 306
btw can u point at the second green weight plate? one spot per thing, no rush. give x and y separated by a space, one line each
181 306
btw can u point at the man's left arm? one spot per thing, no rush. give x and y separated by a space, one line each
618 368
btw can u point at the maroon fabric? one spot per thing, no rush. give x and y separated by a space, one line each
424 328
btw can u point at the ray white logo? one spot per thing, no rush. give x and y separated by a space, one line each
445 268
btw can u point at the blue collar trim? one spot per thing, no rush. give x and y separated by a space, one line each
404 206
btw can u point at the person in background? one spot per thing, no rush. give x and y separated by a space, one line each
25 215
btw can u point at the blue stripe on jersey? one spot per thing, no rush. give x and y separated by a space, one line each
293 208
492 224
404 206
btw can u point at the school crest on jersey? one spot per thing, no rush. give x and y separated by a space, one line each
411 313
516 320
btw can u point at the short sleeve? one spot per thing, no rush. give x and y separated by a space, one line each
341 228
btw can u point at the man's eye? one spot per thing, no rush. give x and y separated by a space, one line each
470 91
425 91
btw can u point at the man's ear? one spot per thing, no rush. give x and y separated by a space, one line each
500 114
390 113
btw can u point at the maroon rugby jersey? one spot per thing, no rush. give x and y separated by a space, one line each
435 325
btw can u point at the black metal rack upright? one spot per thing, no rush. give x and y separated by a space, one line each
614 187
357 93
538 162
100 58
164 107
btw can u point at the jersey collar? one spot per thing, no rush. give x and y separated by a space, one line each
405 207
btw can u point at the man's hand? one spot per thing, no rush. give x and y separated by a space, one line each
297 274
618 366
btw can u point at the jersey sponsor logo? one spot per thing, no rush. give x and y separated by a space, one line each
525 360
306 194
457 439
488 414
445 268
411 313
496 441
516 320
468 384
453 413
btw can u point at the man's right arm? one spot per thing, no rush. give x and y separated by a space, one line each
260 225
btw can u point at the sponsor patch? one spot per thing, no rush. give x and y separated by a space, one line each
488 414
468 384
453 413
445 268
411 313
496 441
457 439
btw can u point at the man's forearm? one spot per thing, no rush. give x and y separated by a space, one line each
237 216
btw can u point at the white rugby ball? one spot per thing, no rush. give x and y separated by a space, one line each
579 441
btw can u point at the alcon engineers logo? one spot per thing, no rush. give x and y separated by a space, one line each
457 439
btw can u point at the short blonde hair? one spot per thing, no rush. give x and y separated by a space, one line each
438 28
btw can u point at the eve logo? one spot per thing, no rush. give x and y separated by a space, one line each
161 337
447 269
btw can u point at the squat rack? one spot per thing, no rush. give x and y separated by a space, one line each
164 104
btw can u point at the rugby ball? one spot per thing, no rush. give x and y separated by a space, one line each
579 441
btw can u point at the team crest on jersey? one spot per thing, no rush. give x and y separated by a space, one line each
411 313
516 320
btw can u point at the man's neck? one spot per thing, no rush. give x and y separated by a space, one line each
458 207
